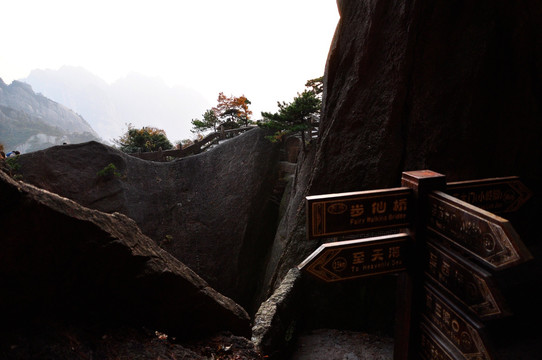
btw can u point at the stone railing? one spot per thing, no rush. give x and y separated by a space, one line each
197 147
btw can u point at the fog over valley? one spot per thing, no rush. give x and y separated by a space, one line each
135 99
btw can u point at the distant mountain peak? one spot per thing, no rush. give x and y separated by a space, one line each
30 121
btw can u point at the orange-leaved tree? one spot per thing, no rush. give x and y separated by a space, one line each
233 110
230 111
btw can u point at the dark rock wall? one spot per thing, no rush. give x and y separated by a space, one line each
211 211
473 104
364 92
450 86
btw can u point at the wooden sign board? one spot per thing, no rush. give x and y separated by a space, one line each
355 212
498 195
488 237
466 283
344 260
465 334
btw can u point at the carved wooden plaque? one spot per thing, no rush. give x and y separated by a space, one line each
498 195
464 333
349 213
468 284
486 236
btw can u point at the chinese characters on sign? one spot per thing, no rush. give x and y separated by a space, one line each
358 258
350 213
498 195
464 333
488 237
433 348
465 282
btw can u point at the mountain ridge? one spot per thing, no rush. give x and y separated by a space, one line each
29 121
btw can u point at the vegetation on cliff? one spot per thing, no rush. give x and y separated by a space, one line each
143 140
295 116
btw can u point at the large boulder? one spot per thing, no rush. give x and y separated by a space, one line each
212 211
60 260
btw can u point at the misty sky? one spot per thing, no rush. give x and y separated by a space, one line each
265 50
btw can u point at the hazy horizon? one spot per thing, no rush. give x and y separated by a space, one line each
263 50
134 99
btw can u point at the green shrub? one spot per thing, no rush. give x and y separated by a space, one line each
13 167
109 171
13 163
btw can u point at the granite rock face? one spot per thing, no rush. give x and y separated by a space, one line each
60 260
275 321
212 211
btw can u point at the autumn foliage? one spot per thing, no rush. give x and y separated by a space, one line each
230 111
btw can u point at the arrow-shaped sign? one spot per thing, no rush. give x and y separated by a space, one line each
486 236
470 285
465 334
433 346
498 195
353 259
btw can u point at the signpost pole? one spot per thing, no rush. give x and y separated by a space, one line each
409 282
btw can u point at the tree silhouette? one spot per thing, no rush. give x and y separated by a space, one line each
295 116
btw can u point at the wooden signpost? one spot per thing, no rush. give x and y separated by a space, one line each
458 240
